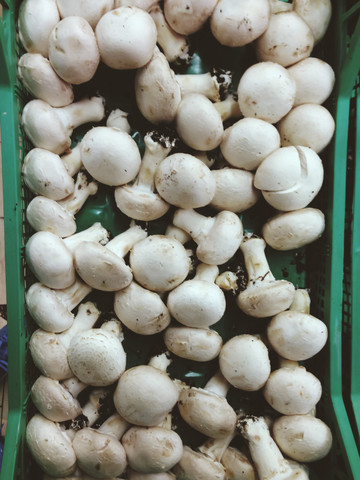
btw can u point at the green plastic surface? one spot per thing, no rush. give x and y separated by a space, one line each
319 267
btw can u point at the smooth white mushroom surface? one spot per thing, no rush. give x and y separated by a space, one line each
91 10
316 14
187 17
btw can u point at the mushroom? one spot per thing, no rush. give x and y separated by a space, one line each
247 142
91 10
51 128
263 296
98 451
96 356
229 108
316 14
149 405
119 119
159 263
49 350
207 410
72 160
198 302
236 25
141 310
103 267
266 91
132 475
50 446
73 50
52 309
143 4
36 20
41 80
314 80
110 155
291 230
244 362
310 125
197 344
295 334
237 465
194 112
139 199
287 39
126 38
217 238
157 92
304 438
45 174
234 190
57 400
214 85
184 181
188 17
290 178
292 390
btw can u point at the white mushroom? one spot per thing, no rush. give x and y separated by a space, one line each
264 296
188 17
218 237
103 267
72 160
287 40
266 91
36 20
139 199
184 181
73 50
239 24
244 362
193 113
317 15
229 108
91 10
310 125
49 350
41 80
51 128
111 156
119 119
237 465
214 85
143 4
247 142
126 38
291 230
132 475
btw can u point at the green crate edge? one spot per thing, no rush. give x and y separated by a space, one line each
13 215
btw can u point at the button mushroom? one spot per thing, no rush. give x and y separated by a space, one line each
214 85
237 465
264 296
91 10
316 14
188 17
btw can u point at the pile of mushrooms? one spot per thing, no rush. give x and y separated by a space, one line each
213 148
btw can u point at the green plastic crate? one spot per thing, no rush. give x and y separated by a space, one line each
330 267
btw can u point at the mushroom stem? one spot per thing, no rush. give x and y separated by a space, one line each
256 262
214 85
83 111
205 272
122 243
91 409
72 296
228 108
96 233
114 425
119 119
215 448
72 160
197 225
74 386
218 384
301 302
83 189
161 361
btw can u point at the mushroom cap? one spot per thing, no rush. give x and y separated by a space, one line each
53 400
316 14
197 303
291 230
159 263
50 446
141 310
184 181
133 475
198 344
314 80
287 39
266 91
45 174
234 191
304 438
296 336
73 51
126 37
237 465
310 125
50 260
152 449
206 412
96 357
244 362
194 112
247 142
111 156
149 404
197 466
45 214
238 24
101 268
188 17
99 454
292 391
41 80
91 10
